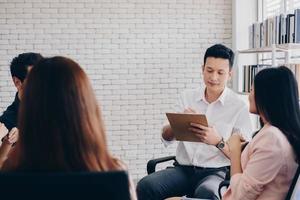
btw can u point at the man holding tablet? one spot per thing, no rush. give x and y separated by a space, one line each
201 166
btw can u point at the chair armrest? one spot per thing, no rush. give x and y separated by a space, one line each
152 163
226 184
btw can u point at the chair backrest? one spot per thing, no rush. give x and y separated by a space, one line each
294 191
98 185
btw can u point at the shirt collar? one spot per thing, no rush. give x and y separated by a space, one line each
221 98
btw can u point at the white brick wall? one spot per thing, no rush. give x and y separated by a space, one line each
138 54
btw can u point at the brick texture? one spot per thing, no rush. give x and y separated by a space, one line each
138 55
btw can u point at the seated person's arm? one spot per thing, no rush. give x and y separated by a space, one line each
7 143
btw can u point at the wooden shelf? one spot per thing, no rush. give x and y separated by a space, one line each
260 50
289 46
277 48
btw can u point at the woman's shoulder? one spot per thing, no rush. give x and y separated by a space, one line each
272 138
269 132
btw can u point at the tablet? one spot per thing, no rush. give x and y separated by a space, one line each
180 124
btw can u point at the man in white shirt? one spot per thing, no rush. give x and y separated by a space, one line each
201 166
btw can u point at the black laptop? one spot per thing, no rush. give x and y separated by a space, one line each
67 186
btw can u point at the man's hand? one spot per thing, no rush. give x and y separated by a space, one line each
207 135
167 133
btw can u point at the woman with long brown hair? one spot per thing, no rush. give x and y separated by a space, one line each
60 124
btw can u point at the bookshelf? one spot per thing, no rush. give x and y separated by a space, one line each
273 41
288 60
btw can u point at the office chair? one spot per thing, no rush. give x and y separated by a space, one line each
74 185
151 165
294 188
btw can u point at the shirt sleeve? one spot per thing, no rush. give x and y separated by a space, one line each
250 184
243 123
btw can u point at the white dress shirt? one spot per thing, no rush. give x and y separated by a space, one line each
224 114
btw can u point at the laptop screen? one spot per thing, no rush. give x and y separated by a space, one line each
86 185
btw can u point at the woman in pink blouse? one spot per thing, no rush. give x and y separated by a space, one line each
265 169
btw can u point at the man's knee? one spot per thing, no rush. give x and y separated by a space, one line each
206 191
146 188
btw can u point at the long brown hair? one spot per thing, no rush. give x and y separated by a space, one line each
60 123
277 99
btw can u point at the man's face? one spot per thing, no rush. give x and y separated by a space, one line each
20 84
216 73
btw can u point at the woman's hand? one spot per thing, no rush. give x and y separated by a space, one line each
3 131
11 137
7 142
235 143
207 135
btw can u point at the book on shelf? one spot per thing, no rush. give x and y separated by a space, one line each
290 24
282 39
249 72
295 68
297 26
279 29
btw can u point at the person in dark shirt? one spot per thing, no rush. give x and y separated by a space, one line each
19 67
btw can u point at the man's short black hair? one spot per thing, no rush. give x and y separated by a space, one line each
19 65
220 51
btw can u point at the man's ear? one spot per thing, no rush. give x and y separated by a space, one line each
18 83
203 68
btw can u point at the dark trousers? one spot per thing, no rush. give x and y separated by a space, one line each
181 180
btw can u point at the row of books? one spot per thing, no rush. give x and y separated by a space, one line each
249 72
295 68
280 29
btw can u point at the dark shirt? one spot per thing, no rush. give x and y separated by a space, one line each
10 115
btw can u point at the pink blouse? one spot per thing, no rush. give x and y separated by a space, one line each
268 164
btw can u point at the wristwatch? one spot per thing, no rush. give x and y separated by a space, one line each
221 144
